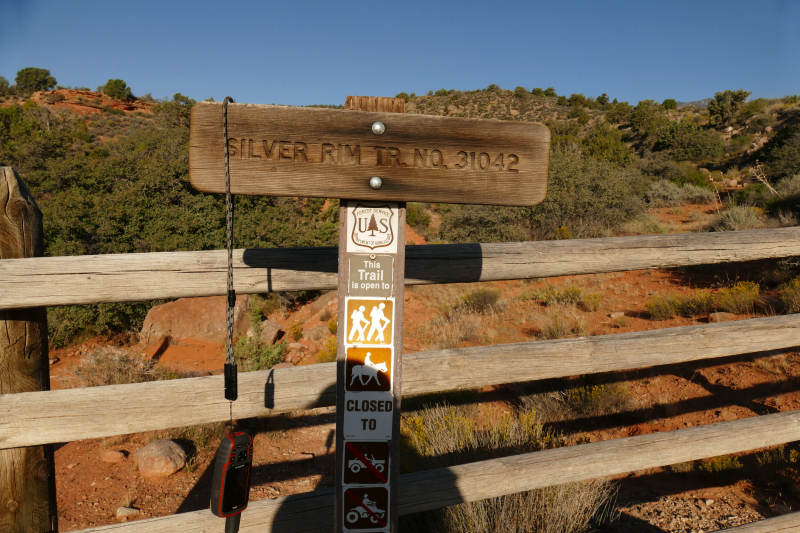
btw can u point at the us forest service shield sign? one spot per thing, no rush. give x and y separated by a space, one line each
372 226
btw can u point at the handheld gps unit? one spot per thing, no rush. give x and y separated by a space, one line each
231 485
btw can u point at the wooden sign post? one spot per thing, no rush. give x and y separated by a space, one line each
369 354
376 159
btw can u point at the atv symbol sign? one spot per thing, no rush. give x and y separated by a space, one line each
366 508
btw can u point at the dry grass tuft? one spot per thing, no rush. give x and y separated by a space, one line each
443 435
790 294
327 353
662 307
739 299
561 400
682 468
561 322
722 469
115 366
481 301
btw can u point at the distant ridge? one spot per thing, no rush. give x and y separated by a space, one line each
700 104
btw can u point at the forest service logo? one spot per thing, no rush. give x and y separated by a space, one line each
372 226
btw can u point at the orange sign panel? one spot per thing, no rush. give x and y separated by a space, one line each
369 321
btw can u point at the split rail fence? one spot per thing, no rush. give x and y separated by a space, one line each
38 418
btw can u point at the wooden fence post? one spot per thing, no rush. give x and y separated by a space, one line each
27 475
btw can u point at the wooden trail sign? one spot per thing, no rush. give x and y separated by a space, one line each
374 160
329 153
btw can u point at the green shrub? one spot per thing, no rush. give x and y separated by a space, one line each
296 330
662 307
740 298
669 103
590 197
774 457
620 113
29 80
666 194
481 223
403 95
537 91
699 303
753 108
725 106
790 294
740 142
688 142
327 353
417 216
647 120
567 295
4 86
682 468
721 469
577 100
73 324
550 92
481 300
253 354
117 89
175 112
738 218
562 322
698 195
599 399
605 142
591 302
760 122
781 154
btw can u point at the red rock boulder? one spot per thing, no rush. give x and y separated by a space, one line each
194 318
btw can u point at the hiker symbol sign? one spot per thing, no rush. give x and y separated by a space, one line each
369 321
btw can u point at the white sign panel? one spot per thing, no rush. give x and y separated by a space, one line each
372 227
368 415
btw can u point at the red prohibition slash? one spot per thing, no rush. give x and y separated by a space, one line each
366 462
381 522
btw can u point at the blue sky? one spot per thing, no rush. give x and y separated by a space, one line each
303 53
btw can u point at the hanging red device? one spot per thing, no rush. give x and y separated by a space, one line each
230 488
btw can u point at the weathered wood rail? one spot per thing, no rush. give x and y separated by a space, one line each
40 418
127 277
423 491
33 418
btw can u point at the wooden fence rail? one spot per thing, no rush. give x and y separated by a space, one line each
32 418
127 277
432 489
